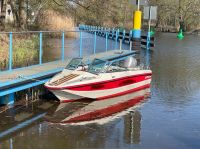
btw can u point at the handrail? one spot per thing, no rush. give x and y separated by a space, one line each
60 31
107 32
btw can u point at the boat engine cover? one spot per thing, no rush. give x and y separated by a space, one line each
130 62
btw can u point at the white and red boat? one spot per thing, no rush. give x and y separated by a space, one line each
103 79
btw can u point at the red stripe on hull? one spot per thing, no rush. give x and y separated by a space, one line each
106 111
109 84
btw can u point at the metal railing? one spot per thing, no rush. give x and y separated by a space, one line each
63 34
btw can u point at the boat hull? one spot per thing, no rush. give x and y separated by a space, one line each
65 96
104 86
114 92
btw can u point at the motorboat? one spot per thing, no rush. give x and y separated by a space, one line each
103 79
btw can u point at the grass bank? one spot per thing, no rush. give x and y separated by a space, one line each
25 50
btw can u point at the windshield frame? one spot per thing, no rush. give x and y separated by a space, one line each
95 69
72 65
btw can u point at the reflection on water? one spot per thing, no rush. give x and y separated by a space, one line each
39 119
132 124
95 111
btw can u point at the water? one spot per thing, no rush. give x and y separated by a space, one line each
168 119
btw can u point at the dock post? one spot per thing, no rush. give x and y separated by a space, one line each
63 46
41 53
81 44
106 41
10 50
95 42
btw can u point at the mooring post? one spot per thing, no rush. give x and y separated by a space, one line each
40 54
10 50
63 46
106 41
81 44
95 42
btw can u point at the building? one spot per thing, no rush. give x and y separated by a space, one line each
6 14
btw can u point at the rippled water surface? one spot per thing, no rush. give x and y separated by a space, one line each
170 118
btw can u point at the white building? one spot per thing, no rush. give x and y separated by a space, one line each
6 14
9 14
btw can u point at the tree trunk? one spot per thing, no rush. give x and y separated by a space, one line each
16 16
22 15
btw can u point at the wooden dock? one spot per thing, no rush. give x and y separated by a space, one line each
24 78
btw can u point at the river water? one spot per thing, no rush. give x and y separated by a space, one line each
167 118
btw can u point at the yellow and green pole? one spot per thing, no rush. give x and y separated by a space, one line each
137 24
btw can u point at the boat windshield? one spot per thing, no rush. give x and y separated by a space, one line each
97 66
74 63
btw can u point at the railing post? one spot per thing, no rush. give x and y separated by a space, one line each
81 45
63 46
113 33
106 41
10 50
41 52
124 34
116 38
95 42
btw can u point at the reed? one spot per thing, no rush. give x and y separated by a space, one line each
53 21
